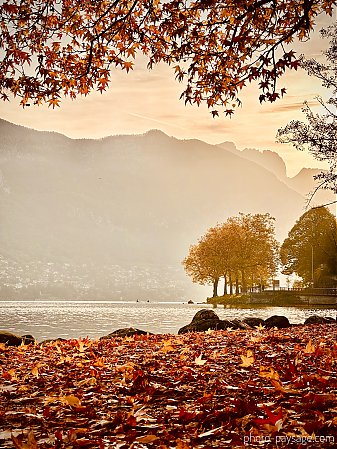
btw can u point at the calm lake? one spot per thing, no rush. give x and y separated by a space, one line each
74 319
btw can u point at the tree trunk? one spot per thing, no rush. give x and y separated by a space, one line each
237 290
244 283
225 286
230 283
215 287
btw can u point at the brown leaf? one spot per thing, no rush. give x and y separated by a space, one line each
247 360
147 439
30 444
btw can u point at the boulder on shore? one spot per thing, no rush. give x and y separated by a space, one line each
207 319
278 321
253 321
126 332
205 315
315 319
10 339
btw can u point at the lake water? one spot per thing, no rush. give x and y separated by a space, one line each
74 319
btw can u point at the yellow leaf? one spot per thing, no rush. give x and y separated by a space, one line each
167 347
199 361
256 339
247 360
81 346
209 331
260 327
71 400
35 371
310 348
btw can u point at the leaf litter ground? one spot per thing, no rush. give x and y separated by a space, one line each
218 389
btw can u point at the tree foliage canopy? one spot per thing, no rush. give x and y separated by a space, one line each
310 250
319 133
69 47
241 250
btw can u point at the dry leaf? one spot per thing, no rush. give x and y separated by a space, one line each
199 361
71 400
247 360
147 439
90 381
310 348
182 445
30 444
268 373
35 371
167 347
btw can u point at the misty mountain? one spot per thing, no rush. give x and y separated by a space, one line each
113 218
266 158
305 183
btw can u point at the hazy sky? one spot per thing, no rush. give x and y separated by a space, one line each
143 100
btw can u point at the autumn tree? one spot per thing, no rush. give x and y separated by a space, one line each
310 250
243 251
52 48
256 249
205 260
318 134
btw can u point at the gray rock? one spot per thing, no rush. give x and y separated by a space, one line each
28 339
10 339
315 319
52 340
278 321
237 324
204 325
205 314
253 321
126 332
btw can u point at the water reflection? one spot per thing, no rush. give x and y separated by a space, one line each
45 319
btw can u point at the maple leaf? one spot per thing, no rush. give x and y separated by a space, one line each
310 348
268 373
199 360
248 359
272 418
255 339
215 114
54 102
71 400
35 371
260 327
127 65
167 346
30 444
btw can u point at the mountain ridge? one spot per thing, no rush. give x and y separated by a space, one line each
132 202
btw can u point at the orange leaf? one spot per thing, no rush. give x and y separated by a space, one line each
30 444
147 439
247 360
